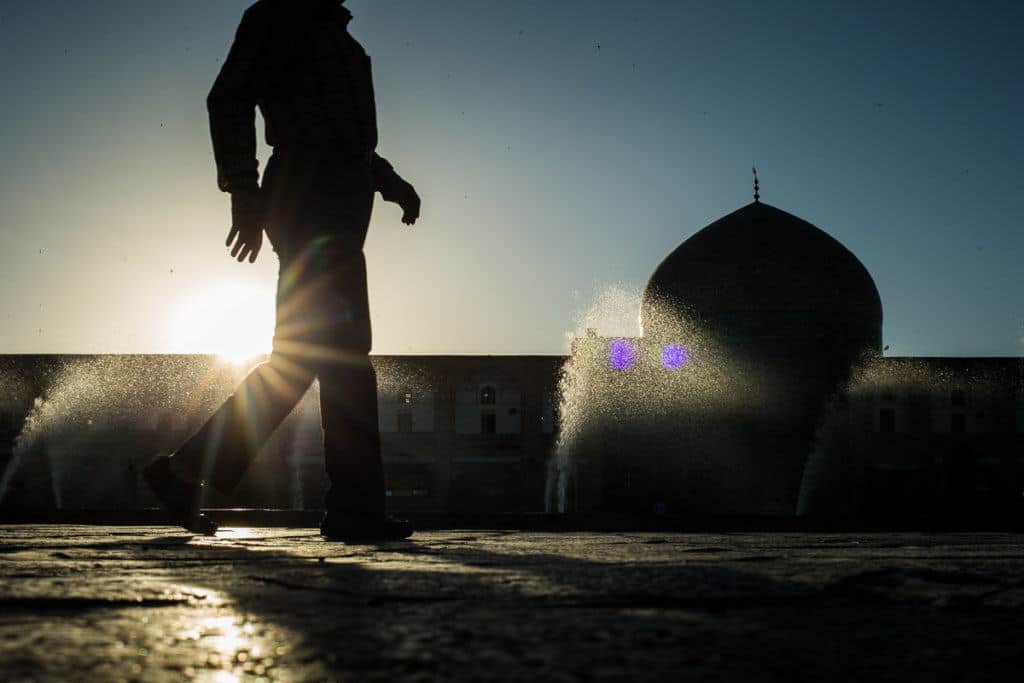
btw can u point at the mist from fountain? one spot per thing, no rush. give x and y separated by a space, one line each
86 399
834 483
664 407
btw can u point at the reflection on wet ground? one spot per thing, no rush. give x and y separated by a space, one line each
147 603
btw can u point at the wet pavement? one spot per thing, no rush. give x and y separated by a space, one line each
151 604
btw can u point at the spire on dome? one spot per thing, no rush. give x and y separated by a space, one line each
757 186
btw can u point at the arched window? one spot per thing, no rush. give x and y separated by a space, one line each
488 396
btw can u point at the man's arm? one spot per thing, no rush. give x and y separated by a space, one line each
394 188
232 107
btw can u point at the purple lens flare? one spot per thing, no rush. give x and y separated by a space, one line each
674 356
622 355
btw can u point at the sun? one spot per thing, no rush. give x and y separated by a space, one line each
235 322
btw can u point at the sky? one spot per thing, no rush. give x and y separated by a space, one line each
561 149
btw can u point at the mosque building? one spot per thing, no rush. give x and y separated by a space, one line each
800 412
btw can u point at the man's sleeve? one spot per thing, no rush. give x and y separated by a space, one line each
384 175
232 105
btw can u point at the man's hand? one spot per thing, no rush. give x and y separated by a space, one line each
409 201
395 189
247 217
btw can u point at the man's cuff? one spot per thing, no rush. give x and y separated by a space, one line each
238 181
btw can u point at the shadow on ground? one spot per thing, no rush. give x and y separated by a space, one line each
137 603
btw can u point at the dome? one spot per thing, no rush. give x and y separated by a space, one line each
763 278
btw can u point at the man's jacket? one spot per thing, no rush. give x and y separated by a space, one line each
297 62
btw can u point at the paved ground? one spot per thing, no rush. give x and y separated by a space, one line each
150 604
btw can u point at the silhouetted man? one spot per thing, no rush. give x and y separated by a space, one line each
297 62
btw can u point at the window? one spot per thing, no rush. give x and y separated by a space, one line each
887 421
958 398
488 396
958 424
406 397
405 423
488 423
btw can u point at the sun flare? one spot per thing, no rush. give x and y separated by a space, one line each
235 322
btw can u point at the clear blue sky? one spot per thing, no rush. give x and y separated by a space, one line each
561 148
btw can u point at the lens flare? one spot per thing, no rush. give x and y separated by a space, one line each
674 356
621 354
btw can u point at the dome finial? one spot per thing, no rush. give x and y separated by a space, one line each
757 186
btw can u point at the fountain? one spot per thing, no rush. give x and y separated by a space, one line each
656 425
96 419
918 440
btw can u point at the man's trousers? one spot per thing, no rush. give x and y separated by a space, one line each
318 214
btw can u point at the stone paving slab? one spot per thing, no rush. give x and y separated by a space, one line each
151 604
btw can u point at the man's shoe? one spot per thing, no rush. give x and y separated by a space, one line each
178 497
362 529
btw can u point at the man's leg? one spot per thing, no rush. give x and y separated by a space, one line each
348 395
222 449
348 407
